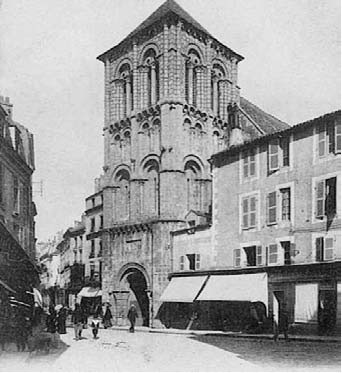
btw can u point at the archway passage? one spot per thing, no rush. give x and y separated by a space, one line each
138 286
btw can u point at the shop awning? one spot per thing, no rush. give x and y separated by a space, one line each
89 292
183 289
247 287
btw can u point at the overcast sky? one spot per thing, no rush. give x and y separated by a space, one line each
48 67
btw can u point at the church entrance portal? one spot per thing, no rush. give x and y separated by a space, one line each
134 290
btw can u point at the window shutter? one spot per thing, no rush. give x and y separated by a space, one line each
338 137
331 137
245 165
259 256
245 215
320 199
198 261
181 263
328 248
273 155
285 146
272 208
319 248
321 140
237 257
252 163
273 254
252 212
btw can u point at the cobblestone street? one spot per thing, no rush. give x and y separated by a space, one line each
121 351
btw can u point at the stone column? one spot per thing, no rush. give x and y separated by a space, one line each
190 83
153 84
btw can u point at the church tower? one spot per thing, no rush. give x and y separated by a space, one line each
167 88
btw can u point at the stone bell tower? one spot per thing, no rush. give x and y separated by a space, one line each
167 88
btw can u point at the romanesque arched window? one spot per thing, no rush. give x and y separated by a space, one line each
122 195
217 74
192 77
193 191
151 63
126 98
150 201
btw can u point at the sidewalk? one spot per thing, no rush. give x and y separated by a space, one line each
308 338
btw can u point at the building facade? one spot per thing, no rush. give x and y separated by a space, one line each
276 223
167 88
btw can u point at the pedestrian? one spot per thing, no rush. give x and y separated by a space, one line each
51 320
282 325
107 317
132 316
77 320
95 325
61 320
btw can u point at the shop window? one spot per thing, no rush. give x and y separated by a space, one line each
249 212
325 197
249 163
324 249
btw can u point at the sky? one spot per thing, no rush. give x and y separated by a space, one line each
48 68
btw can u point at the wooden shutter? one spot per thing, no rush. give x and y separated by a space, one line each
245 164
198 261
245 213
252 212
331 137
181 262
259 256
273 254
237 257
273 155
330 198
320 199
321 140
319 249
328 248
272 208
338 137
252 162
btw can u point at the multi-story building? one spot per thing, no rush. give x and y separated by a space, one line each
167 88
18 272
276 236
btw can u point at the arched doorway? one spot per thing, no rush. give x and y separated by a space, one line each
134 280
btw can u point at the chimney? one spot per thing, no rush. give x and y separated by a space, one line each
236 134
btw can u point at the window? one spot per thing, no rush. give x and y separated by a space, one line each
81 254
92 251
286 246
278 153
285 195
237 257
75 256
198 261
194 261
329 139
192 223
93 202
101 221
249 212
249 163
16 196
92 270
325 197
273 254
92 225
324 249
100 249
253 256
181 263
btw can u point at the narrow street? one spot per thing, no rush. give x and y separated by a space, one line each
121 351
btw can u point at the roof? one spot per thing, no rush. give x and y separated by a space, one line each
267 122
169 6
326 118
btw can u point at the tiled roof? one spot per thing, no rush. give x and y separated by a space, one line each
266 122
169 6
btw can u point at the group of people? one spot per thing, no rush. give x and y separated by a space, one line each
56 320
79 319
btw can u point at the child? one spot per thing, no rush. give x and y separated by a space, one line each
95 325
